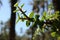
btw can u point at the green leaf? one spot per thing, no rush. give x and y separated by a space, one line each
37 16
18 15
31 15
53 34
44 16
15 11
18 18
22 5
27 23
15 5
44 13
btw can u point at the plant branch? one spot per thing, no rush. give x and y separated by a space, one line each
23 18
23 13
27 18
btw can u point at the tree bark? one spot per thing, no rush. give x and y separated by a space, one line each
12 21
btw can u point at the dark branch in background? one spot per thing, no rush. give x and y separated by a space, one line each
56 4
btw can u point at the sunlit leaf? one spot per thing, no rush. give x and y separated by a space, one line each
15 11
42 18
44 13
16 4
18 18
53 34
31 14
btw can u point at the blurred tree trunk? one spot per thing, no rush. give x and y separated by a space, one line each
12 21
56 4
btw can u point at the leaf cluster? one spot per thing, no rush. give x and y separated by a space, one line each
51 20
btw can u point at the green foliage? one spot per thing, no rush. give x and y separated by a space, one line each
22 5
18 18
49 19
27 23
36 17
53 34
31 14
15 11
44 13
44 16
37 31
16 5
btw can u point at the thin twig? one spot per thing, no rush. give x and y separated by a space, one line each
23 18
23 13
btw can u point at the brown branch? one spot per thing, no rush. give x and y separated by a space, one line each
31 19
23 18
23 13
27 18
